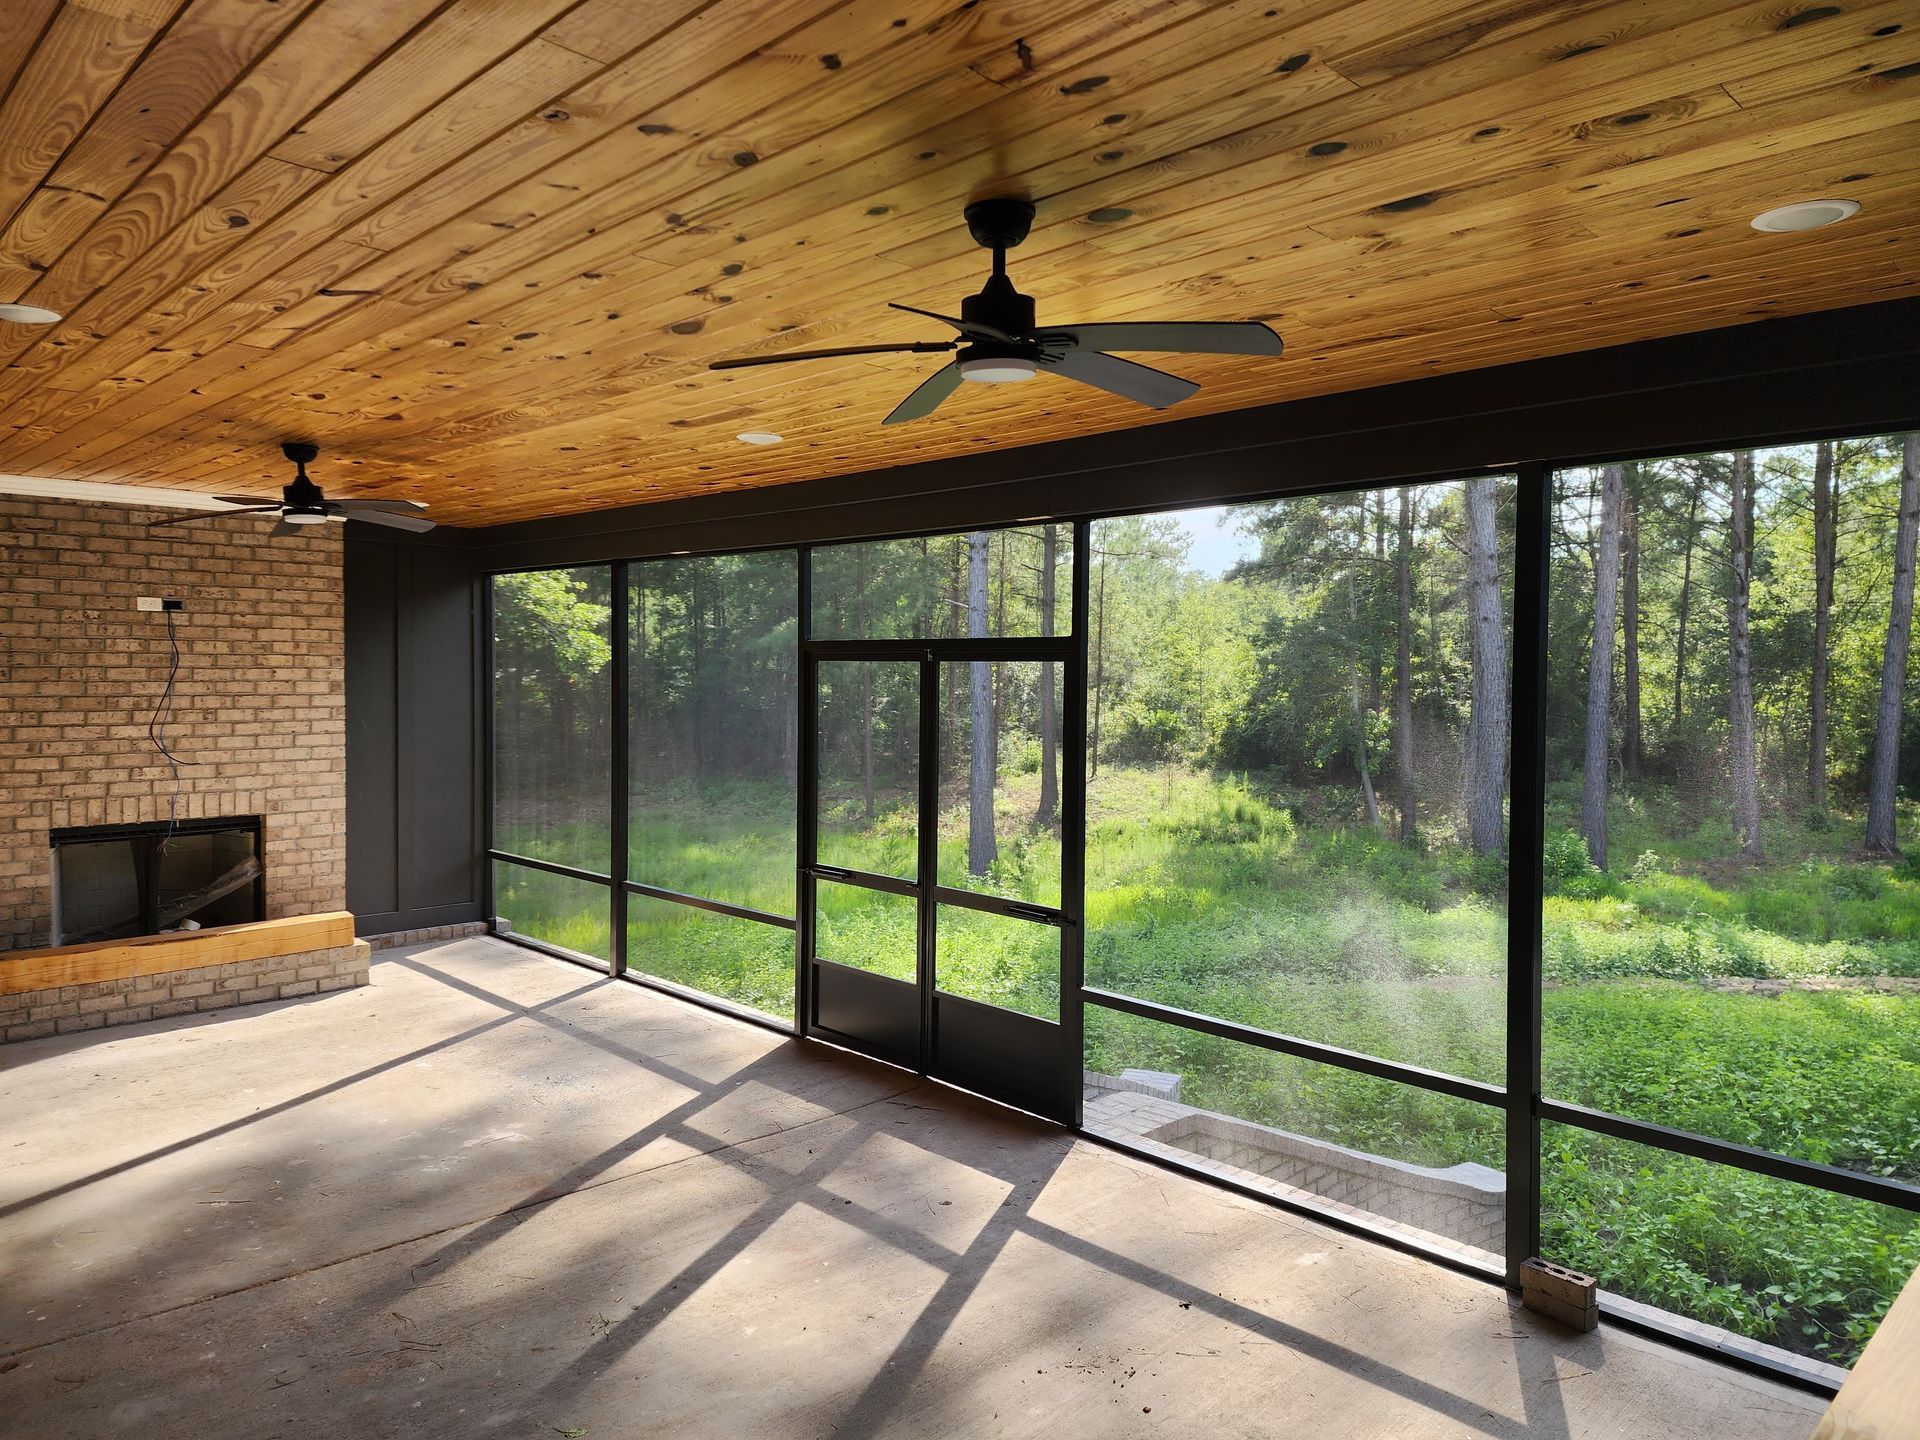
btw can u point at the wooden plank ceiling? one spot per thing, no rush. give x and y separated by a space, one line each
482 250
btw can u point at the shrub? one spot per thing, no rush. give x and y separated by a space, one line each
1569 870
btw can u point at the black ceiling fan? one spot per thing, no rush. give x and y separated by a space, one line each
999 341
302 503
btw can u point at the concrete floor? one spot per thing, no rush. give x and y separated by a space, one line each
492 1194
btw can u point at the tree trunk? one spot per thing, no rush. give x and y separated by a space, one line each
866 690
1883 784
1359 710
1686 609
1606 616
981 850
1824 553
1403 669
1740 743
999 677
696 665
1376 698
1487 648
1049 810
1099 667
1630 738
639 683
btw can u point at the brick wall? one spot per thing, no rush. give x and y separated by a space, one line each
259 702
36 1014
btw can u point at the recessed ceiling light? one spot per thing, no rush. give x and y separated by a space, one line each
1805 215
28 315
758 437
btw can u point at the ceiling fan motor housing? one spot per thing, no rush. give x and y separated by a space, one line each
1004 308
303 498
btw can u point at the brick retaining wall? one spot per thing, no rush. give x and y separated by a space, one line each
34 1014
1461 1208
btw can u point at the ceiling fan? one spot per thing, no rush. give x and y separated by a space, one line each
302 503
1000 343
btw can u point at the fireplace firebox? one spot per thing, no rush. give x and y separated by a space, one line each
111 882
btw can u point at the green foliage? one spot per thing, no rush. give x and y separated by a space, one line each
551 616
1567 869
1800 1268
1208 892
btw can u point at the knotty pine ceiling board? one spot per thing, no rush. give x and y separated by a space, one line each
482 251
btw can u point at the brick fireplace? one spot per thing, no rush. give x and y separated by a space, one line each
258 706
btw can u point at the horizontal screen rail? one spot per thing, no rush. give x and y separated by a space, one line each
649 982
866 879
1000 905
700 902
1438 1081
572 872
1058 647
1895 1193
703 903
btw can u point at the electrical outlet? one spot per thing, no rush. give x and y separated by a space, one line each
148 602
172 604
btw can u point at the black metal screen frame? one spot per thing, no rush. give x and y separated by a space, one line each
618 885
1521 1098
928 655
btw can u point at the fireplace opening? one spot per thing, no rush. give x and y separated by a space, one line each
111 882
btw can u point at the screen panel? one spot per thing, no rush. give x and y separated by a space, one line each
557 909
1297 737
1008 582
745 961
713 729
1428 1165
1729 921
552 716
1775 1261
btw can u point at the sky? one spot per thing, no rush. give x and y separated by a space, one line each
1216 544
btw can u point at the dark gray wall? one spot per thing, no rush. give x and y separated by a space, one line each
415 829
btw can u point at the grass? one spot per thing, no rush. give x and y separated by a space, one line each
1226 895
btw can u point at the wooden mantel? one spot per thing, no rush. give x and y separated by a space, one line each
50 968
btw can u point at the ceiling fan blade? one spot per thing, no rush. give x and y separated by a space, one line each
396 522
965 327
208 515
927 396
385 507
252 501
1192 337
918 347
1141 383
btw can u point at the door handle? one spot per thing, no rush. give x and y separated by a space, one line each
830 872
1025 911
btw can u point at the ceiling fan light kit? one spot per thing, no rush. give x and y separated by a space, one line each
1001 342
998 372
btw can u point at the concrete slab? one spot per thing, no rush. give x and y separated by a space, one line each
492 1196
